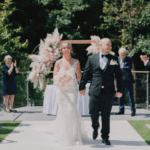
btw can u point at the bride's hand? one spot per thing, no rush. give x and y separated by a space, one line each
82 93
44 84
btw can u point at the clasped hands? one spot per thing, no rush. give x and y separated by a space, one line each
14 64
82 93
118 94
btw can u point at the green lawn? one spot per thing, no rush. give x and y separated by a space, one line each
142 129
7 128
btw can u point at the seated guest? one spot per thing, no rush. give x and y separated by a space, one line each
126 65
9 70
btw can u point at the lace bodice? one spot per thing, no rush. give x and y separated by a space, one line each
66 75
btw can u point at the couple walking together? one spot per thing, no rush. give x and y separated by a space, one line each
68 126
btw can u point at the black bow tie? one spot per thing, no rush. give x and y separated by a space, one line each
104 56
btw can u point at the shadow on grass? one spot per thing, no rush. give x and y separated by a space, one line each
7 128
4 131
148 142
5 124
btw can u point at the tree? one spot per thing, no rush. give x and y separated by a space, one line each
9 39
74 19
143 39
124 16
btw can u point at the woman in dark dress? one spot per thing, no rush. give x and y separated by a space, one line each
9 71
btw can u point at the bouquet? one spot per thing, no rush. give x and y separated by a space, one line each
62 79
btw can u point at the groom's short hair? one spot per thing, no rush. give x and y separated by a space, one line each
103 39
122 49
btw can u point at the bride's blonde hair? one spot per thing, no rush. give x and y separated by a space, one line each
66 42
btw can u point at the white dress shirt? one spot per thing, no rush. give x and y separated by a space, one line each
121 63
146 62
103 61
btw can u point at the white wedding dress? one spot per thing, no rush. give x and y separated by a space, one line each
68 126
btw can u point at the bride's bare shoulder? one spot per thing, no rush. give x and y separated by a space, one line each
59 61
74 60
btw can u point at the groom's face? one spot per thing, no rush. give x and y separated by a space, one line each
106 46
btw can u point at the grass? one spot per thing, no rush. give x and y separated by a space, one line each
7 128
142 129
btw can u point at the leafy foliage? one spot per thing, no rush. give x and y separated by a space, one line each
74 19
125 16
10 41
143 45
143 39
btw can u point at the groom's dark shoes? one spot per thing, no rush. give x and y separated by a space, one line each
95 134
106 141
133 113
119 113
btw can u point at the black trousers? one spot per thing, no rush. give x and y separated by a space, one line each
101 102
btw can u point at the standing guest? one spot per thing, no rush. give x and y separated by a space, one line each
9 71
126 65
146 61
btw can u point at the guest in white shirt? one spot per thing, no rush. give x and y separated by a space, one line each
126 65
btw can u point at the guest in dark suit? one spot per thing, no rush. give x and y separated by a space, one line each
9 71
126 64
102 92
146 61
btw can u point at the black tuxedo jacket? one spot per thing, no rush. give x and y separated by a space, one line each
99 77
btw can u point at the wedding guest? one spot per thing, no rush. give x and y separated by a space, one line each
9 70
146 61
126 64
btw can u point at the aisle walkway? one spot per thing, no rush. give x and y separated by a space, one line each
122 135
35 113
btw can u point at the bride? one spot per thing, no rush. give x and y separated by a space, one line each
68 126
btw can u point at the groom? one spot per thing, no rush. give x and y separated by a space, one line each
103 67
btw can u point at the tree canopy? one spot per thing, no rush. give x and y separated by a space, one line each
24 23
